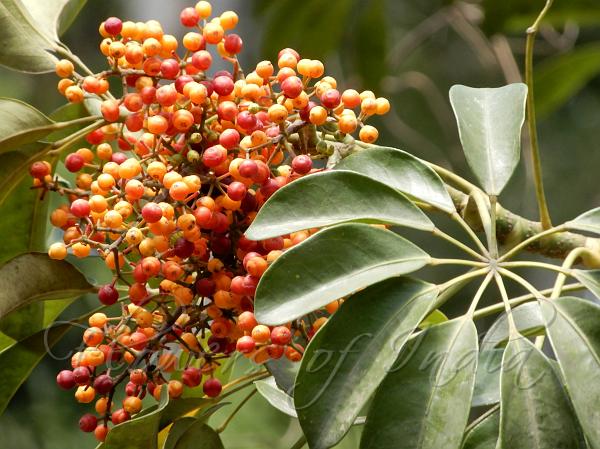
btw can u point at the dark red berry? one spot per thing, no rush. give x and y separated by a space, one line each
81 375
88 422
183 248
65 379
108 294
233 44
113 26
103 384
212 388
191 376
236 191
152 212
302 164
39 170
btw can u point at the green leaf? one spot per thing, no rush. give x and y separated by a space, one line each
435 317
572 325
535 412
139 432
199 436
17 361
177 430
334 197
403 172
331 264
284 372
484 433
14 166
21 123
587 222
35 277
30 31
489 125
180 407
349 356
560 78
275 396
424 401
590 279
528 320
487 379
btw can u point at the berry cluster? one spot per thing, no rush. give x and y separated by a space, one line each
176 170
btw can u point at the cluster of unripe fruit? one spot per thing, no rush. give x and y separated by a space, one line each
174 174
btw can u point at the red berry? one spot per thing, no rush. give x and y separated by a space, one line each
214 156
108 294
183 248
74 162
205 287
88 422
233 44
230 139
113 26
80 208
152 212
119 416
103 384
331 98
245 344
281 335
189 17
81 375
169 68
236 191
181 81
39 170
292 86
202 60
191 376
65 379
302 164
212 388
223 85
246 120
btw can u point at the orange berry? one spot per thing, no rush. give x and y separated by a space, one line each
368 134
64 68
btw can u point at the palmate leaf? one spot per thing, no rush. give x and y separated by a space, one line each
489 125
535 412
528 320
401 171
349 356
572 325
29 31
332 263
334 197
425 399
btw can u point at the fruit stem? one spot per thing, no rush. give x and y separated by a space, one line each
530 240
531 120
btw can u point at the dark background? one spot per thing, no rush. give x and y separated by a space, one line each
410 51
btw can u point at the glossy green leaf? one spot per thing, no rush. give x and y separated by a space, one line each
14 167
180 407
489 125
435 317
139 432
528 320
334 197
403 172
572 325
177 430
199 436
349 356
484 433
18 360
276 396
487 378
425 399
590 279
535 412
560 78
29 32
35 277
587 222
284 372
21 123
331 264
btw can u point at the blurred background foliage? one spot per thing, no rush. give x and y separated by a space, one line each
410 51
